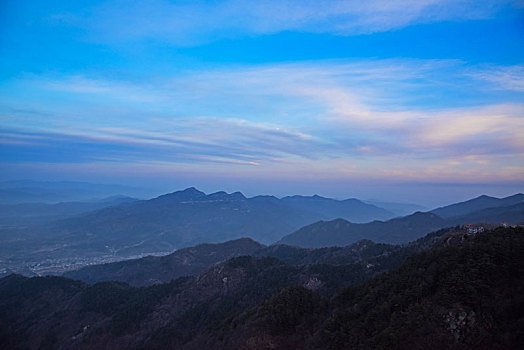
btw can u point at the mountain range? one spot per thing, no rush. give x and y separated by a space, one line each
477 204
186 218
343 241
173 221
340 232
456 290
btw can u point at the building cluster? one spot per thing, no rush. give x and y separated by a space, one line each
479 228
472 228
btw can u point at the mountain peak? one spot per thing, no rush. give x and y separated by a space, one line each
221 195
516 196
484 196
189 193
238 195
301 197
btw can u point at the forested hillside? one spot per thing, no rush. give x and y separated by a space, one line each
464 292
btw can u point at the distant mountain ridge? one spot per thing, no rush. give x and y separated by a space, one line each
340 232
400 209
173 221
332 208
476 204
512 214
190 217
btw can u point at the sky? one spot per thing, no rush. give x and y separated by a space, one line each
397 100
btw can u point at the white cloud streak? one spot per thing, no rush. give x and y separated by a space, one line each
190 23
502 78
350 117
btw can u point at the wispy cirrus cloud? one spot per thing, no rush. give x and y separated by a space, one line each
196 140
190 23
502 78
412 117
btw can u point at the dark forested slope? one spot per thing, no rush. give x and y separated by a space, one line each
153 269
466 295
195 260
464 292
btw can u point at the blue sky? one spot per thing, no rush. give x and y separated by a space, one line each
410 100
